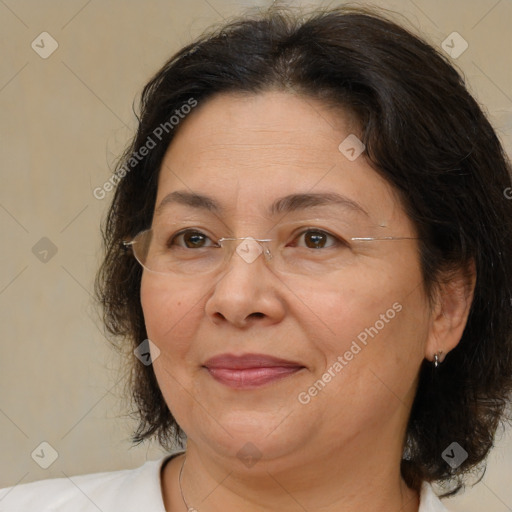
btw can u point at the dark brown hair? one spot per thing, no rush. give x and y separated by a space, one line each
424 133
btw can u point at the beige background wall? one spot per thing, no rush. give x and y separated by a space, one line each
63 121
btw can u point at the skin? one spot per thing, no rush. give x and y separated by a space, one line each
342 450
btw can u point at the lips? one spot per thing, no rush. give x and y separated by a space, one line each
249 371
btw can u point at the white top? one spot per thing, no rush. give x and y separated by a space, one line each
130 490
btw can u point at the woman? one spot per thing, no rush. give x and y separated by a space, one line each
309 253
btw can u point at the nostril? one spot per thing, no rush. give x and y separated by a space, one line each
256 315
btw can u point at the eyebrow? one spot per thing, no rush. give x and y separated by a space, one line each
294 202
191 199
289 203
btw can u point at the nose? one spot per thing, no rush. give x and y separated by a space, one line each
248 293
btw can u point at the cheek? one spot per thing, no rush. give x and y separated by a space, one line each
171 312
375 321
369 365
346 306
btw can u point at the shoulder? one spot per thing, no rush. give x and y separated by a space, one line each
127 490
429 502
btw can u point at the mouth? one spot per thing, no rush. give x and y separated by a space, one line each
249 371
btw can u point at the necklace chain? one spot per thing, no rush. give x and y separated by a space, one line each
189 509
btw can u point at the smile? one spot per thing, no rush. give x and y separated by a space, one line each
249 371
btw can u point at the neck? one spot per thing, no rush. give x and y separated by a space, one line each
327 483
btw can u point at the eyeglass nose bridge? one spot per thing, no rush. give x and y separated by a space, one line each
250 248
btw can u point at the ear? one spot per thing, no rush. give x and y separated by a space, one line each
450 311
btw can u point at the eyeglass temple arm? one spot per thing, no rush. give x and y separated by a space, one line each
371 238
363 239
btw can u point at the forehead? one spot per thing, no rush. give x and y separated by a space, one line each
272 123
248 150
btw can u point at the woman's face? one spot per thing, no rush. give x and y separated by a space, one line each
351 322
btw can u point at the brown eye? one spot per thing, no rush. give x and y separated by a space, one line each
191 240
315 239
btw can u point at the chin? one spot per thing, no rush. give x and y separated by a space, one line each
250 437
